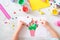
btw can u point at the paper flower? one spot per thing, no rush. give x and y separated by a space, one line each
32 29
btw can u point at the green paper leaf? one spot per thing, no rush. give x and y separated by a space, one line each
33 27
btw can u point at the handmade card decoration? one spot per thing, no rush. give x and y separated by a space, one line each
31 23
39 4
32 29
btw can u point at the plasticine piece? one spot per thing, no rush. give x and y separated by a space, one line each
38 4
58 23
58 6
5 12
42 13
13 0
33 27
5 22
13 26
59 13
51 0
32 32
54 12
21 2
36 21
25 8
14 12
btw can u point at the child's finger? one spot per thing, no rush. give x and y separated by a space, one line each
42 21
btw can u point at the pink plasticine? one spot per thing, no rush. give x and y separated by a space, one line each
58 23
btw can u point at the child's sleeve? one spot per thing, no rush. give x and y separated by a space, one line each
54 39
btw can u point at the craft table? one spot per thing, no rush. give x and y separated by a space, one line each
9 26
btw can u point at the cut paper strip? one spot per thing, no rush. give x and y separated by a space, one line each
32 32
4 12
38 4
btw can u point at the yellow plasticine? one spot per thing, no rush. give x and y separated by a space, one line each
38 4
42 13
54 12
13 26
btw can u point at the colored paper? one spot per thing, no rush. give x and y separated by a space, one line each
4 12
39 4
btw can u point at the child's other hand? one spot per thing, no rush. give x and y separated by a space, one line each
44 23
22 23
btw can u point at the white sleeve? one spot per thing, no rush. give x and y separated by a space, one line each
54 39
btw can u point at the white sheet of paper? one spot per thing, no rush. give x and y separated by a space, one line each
26 20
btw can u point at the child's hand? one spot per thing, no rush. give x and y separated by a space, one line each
44 23
50 29
21 24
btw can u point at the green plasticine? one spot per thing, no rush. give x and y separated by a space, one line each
21 2
33 27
